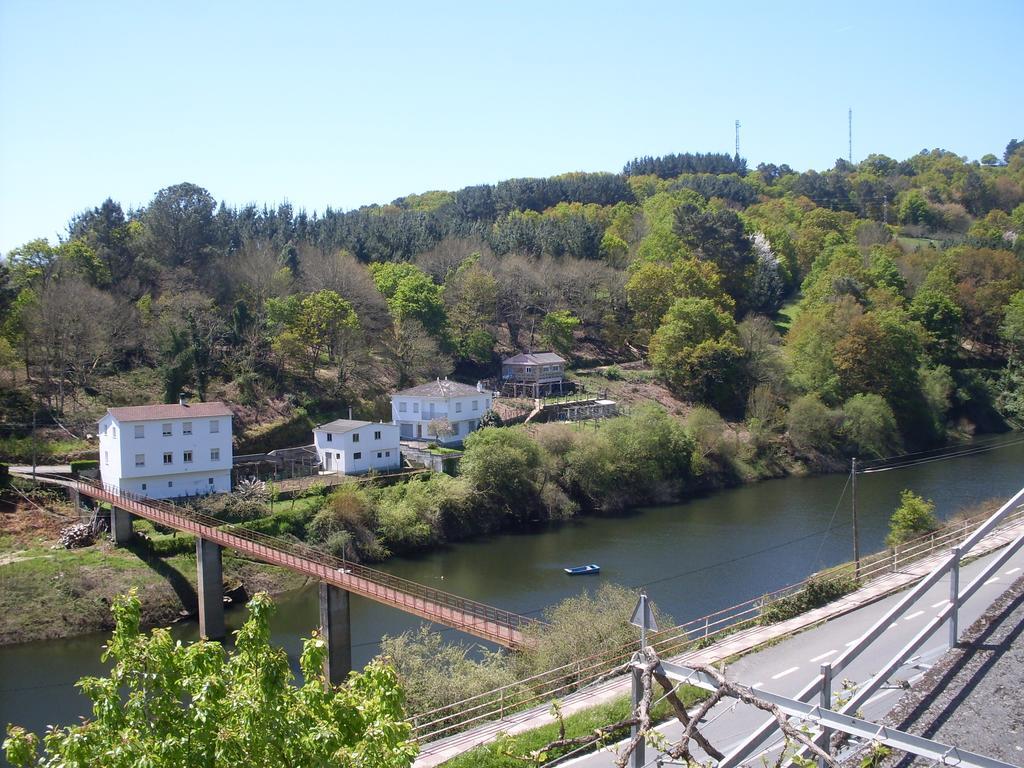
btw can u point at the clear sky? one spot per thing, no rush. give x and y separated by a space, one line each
343 104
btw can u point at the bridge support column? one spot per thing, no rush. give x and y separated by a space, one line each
75 499
120 525
954 598
210 585
336 630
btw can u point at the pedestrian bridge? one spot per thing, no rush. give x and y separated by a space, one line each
478 619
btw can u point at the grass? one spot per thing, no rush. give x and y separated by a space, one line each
498 754
21 449
786 315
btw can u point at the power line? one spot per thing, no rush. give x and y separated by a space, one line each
957 454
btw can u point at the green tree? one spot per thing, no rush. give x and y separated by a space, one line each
314 328
557 328
717 235
696 352
809 424
503 466
179 226
167 705
1012 329
913 517
870 426
411 294
941 318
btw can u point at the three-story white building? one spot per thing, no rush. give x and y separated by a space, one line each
165 451
418 410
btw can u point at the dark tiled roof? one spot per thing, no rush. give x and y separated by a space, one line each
169 411
535 358
440 388
340 426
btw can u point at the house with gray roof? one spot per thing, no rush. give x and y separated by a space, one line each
352 447
533 374
442 411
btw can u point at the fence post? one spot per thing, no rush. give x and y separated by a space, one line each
825 701
638 758
954 597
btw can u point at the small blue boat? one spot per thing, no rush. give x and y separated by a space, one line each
579 570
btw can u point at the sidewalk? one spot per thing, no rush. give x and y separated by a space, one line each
744 641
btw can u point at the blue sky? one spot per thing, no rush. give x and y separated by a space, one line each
343 104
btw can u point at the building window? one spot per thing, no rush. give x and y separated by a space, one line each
330 438
357 456
143 486
387 453
188 457
402 407
380 455
140 459
476 405
215 454
415 407
529 370
209 481
106 457
168 458
170 483
114 430
214 427
337 455
376 435
458 407
355 438
186 428
167 430
140 431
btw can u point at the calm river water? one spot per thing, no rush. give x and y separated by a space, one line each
695 558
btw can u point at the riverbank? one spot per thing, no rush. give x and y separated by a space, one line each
48 592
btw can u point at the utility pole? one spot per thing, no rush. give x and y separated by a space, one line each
856 541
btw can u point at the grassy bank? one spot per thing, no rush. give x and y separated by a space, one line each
48 592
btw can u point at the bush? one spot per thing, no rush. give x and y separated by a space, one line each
870 426
809 424
77 467
913 517
707 430
818 591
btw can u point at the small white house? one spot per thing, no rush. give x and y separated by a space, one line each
166 451
460 406
353 447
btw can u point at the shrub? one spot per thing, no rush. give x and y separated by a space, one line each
809 424
870 425
818 591
913 517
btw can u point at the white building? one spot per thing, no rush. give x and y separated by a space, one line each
164 451
353 447
440 401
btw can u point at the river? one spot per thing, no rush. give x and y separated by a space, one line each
694 558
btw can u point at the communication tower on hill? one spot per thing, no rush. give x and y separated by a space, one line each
737 141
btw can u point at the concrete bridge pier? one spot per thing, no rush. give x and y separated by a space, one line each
75 499
120 525
210 586
336 630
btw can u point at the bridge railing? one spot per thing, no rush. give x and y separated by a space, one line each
420 598
690 636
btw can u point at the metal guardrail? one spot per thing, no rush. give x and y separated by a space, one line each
485 621
743 617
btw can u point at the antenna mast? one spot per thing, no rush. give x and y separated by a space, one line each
737 141
849 118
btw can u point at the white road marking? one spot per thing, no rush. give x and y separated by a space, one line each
757 685
823 656
993 579
893 625
913 615
941 603
785 672
878 696
1011 571
850 643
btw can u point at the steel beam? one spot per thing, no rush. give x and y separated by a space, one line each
954 598
855 726
336 630
210 585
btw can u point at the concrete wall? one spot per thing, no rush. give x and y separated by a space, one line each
414 414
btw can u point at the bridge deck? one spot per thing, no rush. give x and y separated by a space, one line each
478 619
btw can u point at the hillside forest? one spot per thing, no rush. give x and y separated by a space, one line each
865 309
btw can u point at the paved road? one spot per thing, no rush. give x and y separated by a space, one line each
787 667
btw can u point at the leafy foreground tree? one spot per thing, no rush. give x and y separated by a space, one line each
167 704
